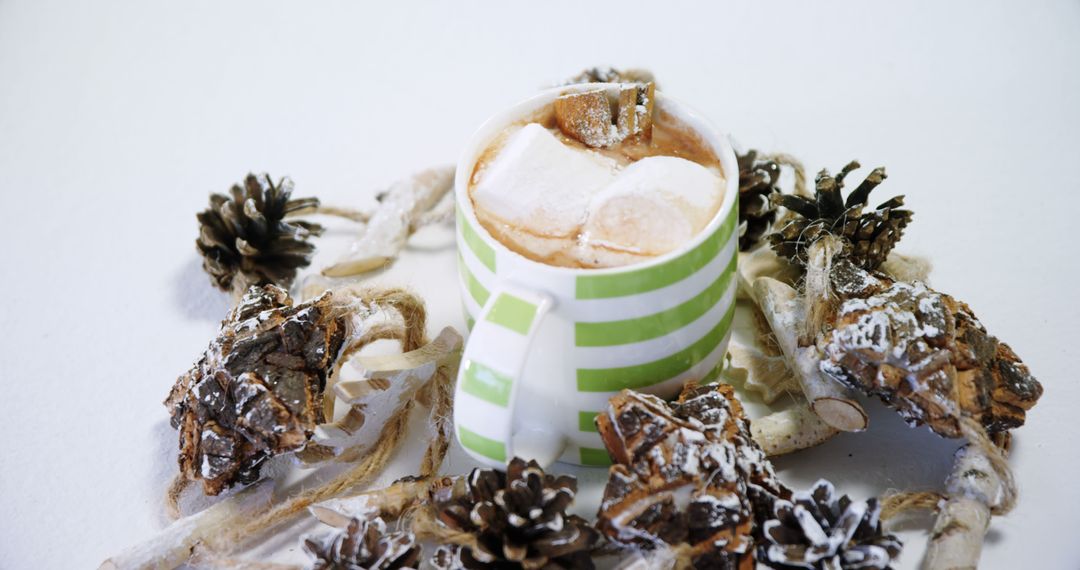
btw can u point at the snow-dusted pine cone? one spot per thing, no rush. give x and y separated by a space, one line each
868 236
245 240
818 531
685 474
364 545
257 389
925 354
611 75
518 518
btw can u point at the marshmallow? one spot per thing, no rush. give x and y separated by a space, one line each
654 206
540 185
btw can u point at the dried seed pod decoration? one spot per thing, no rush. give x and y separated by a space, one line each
926 355
245 239
403 208
364 544
257 389
686 474
820 531
868 236
518 520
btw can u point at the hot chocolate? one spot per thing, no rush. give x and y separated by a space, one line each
581 184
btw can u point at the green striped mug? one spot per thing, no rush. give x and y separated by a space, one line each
549 345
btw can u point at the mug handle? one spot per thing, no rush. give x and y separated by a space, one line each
489 382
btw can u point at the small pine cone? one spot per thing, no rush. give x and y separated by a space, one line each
257 389
816 531
868 237
245 240
364 545
925 354
612 75
686 473
518 518
758 179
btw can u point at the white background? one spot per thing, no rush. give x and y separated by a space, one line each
118 118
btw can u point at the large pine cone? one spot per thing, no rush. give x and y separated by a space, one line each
925 354
816 531
868 237
245 240
257 389
518 518
687 473
364 545
758 179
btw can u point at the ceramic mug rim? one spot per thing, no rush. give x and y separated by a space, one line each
482 137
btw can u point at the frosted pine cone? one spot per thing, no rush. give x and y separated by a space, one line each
518 518
364 545
925 354
257 389
817 531
686 473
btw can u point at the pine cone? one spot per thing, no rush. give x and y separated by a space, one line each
757 180
925 354
868 237
257 389
816 531
364 545
518 518
245 240
685 473
611 75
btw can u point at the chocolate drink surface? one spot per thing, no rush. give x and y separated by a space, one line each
554 199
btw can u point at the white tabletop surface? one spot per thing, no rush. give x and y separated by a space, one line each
117 119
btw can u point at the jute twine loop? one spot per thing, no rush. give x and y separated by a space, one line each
421 521
373 463
894 504
172 495
784 159
441 394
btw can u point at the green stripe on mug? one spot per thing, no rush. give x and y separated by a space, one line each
587 421
656 277
611 333
595 457
482 250
484 446
478 292
615 379
486 384
513 313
